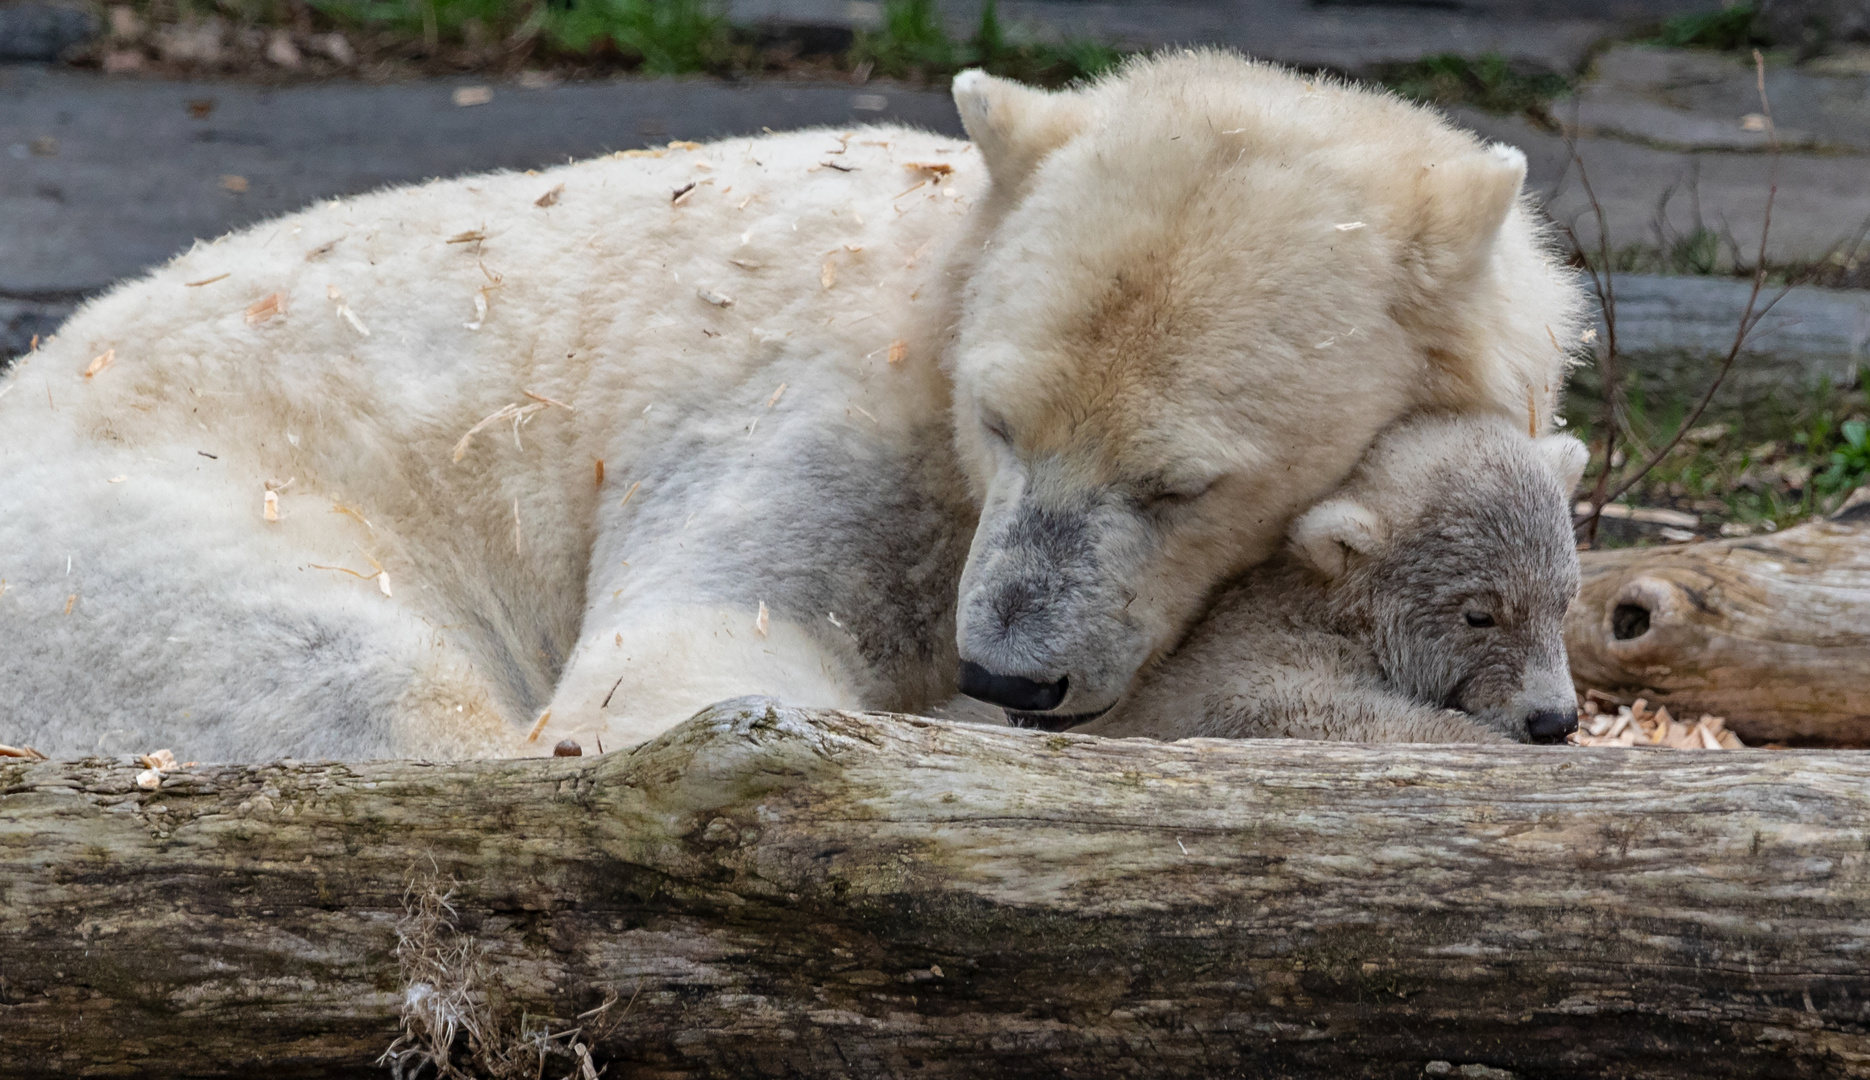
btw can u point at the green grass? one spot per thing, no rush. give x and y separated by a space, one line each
1728 29
670 36
913 42
1489 82
659 37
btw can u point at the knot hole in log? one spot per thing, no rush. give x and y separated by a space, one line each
1629 621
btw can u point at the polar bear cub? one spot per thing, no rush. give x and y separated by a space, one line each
1422 602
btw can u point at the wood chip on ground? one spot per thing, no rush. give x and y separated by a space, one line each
1604 722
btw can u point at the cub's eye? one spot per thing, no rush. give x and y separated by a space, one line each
1479 619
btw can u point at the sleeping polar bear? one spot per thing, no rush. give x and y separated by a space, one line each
820 416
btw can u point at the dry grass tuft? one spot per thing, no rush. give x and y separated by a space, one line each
451 1027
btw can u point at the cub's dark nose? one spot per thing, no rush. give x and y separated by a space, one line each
1551 726
1010 691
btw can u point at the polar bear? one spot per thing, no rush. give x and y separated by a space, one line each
1424 601
1199 290
467 467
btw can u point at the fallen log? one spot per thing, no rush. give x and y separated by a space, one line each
772 892
1771 632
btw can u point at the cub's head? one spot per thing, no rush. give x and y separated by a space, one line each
1451 549
1201 287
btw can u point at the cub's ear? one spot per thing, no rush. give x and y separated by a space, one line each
1462 204
1326 535
1015 126
1566 457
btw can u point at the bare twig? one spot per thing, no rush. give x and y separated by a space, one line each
1603 283
1603 494
1749 318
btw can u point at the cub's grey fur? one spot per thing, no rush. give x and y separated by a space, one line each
1362 630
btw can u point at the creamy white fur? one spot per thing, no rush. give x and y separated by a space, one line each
1153 290
198 623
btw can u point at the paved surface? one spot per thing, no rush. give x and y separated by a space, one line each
102 177
1553 35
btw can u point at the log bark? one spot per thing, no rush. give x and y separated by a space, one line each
1771 632
794 893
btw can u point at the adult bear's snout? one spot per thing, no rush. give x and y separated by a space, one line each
1011 691
1552 725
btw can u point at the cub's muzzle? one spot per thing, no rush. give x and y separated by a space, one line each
1551 726
1012 692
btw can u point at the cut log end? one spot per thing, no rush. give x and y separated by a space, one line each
1769 631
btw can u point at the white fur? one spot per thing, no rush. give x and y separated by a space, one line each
196 622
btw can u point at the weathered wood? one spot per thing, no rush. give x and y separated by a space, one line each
1772 632
790 893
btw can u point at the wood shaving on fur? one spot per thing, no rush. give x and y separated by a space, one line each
538 726
270 511
158 759
215 278
550 198
719 300
265 308
472 236
100 362
898 350
828 274
760 620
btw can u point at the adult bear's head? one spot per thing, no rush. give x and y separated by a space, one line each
1199 289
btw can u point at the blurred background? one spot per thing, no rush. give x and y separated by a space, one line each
1658 131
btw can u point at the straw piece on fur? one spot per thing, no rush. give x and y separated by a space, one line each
538 726
344 311
511 411
271 511
215 278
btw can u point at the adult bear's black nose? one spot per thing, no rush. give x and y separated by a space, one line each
1010 691
1552 725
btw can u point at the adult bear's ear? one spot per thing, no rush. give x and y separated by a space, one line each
1566 457
1461 205
1326 535
1015 126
